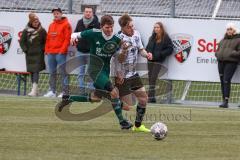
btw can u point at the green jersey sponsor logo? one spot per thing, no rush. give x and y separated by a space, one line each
110 47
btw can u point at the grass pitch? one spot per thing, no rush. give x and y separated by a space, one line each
30 130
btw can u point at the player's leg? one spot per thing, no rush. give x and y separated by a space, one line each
103 86
68 99
125 93
116 104
103 82
142 98
127 101
83 97
139 91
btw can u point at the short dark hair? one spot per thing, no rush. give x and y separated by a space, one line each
88 6
57 9
124 20
107 19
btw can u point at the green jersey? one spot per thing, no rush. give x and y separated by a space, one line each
101 51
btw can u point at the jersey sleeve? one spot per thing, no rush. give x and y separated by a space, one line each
89 34
116 66
118 41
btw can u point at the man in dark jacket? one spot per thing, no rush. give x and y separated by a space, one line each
89 21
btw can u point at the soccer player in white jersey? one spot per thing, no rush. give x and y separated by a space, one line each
128 80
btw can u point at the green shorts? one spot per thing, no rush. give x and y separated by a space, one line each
100 79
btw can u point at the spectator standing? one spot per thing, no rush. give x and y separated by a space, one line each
32 43
58 40
160 45
88 21
228 56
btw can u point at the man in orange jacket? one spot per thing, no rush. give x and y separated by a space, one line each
57 42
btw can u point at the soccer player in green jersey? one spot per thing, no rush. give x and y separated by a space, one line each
104 44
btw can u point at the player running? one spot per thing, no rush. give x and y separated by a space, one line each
104 44
128 80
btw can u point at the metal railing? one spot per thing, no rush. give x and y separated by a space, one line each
203 9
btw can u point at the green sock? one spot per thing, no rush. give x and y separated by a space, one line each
116 103
80 98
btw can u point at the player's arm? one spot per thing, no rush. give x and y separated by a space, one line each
141 49
117 68
87 34
75 36
119 76
145 54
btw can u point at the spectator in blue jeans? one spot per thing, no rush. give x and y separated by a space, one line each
88 21
56 48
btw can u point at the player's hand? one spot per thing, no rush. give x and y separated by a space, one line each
74 41
125 45
120 78
122 57
75 35
149 56
114 93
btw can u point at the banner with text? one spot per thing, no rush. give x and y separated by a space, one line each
195 42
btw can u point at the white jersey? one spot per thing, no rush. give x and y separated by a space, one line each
128 67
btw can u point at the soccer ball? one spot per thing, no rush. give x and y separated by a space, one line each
159 130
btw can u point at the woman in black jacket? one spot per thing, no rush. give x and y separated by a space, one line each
160 45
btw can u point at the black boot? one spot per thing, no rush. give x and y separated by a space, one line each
224 104
125 124
65 101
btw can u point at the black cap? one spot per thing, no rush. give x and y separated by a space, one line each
57 9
